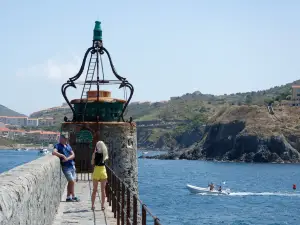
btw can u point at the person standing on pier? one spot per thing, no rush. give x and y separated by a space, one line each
99 157
66 155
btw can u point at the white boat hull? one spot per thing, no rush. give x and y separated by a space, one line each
197 190
44 152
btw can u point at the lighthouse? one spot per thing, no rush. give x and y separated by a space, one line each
99 116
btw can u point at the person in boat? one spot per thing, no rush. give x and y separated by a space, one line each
211 187
220 188
99 157
64 151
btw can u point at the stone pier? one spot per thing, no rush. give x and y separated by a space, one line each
80 212
31 193
35 194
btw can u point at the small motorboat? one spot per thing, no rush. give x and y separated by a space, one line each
18 149
197 190
44 152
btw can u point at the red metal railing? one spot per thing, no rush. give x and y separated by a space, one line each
125 203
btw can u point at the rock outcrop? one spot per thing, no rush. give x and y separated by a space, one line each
248 134
167 140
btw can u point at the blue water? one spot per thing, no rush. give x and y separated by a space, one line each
10 158
261 193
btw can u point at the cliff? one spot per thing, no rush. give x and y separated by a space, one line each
168 139
248 134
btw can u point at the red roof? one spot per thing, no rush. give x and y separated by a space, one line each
18 131
4 129
19 117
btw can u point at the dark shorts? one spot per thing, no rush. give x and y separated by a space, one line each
70 173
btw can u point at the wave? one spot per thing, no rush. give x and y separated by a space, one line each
258 194
265 194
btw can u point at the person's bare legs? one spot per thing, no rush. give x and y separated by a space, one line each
71 190
95 187
103 195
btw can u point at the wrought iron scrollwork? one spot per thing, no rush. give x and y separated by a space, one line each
71 81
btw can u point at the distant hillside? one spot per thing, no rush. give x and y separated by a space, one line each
191 104
4 111
187 106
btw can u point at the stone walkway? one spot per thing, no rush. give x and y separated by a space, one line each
70 213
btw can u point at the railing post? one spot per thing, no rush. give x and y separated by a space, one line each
110 188
118 201
84 166
156 221
144 215
123 204
128 206
135 210
124 212
80 169
114 197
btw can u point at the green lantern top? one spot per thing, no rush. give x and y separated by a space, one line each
97 31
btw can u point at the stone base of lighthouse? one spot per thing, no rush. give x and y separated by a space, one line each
121 140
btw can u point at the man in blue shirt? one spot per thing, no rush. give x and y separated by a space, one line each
66 155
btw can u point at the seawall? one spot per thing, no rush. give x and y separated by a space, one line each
30 194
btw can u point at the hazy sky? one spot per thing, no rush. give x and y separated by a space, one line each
165 48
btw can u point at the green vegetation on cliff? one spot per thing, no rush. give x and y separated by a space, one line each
191 113
188 106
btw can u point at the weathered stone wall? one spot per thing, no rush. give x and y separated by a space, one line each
30 194
122 143
121 140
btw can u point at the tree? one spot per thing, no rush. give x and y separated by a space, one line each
248 99
289 97
268 101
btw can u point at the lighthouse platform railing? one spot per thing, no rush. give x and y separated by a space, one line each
127 207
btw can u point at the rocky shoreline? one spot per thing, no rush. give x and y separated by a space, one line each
239 141
6 148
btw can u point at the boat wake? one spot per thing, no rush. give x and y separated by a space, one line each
228 192
259 194
289 194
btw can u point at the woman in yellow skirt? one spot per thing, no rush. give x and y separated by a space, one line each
99 175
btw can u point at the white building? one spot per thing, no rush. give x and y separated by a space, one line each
32 122
43 136
45 122
15 120
3 119
25 121
49 136
4 132
15 134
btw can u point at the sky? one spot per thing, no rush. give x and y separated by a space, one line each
164 48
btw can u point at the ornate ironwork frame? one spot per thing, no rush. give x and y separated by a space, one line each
71 82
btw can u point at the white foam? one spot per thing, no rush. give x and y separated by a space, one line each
258 194
265 194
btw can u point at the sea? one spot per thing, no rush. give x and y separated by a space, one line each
260 193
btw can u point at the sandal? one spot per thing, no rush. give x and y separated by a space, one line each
93 208
102 208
